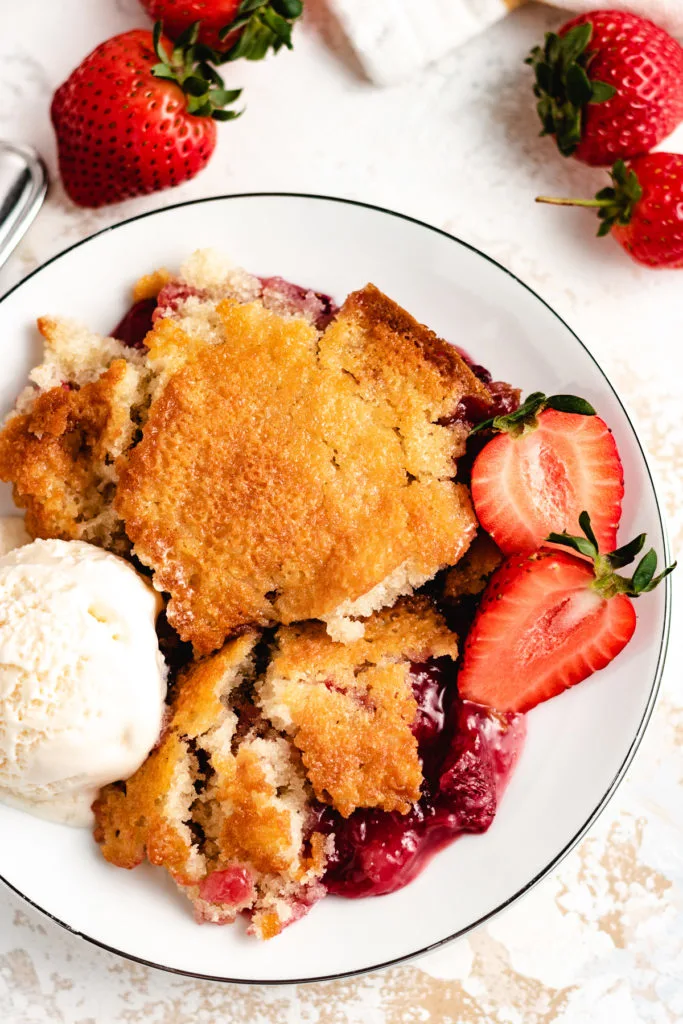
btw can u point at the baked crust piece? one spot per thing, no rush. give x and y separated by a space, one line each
225 816
285 476
145 815
471 574
59 446
227 800
60 455
350 707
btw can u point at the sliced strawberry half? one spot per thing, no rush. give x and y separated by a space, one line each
548 620
552 459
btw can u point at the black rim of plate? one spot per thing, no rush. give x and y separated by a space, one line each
647 714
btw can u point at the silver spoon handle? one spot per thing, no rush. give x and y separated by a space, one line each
23 185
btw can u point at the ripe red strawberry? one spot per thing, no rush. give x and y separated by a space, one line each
234 28
609 85
643 208
130 119
552 458
548 620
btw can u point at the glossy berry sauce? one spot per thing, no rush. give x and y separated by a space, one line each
467 755
473 410
133 328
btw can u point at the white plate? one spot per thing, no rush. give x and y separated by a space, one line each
579 744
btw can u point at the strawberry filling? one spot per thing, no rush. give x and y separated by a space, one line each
229 886
133 327
467 754
277 294
172 296
293 299
473 410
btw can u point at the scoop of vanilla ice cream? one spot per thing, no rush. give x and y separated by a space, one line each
82 680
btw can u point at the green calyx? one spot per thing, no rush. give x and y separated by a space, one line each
525 419
618 201
615 204
189 66
265 25
563 86
607 582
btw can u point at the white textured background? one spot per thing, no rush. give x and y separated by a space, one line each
601 941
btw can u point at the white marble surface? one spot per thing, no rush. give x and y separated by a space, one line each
602 939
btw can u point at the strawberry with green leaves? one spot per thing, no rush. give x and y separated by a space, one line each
609 85
550 459
550 619
136 116
231 28
642 208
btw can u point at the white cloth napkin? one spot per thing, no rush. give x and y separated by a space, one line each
394 39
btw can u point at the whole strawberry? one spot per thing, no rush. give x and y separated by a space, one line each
642 208
232 28
137 116
609 86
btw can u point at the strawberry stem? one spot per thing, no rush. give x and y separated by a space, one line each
559 201
615 204
607 582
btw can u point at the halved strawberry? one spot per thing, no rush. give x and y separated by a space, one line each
548 620
553 458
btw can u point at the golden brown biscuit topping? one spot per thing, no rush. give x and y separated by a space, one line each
350 707
282 475
59 455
